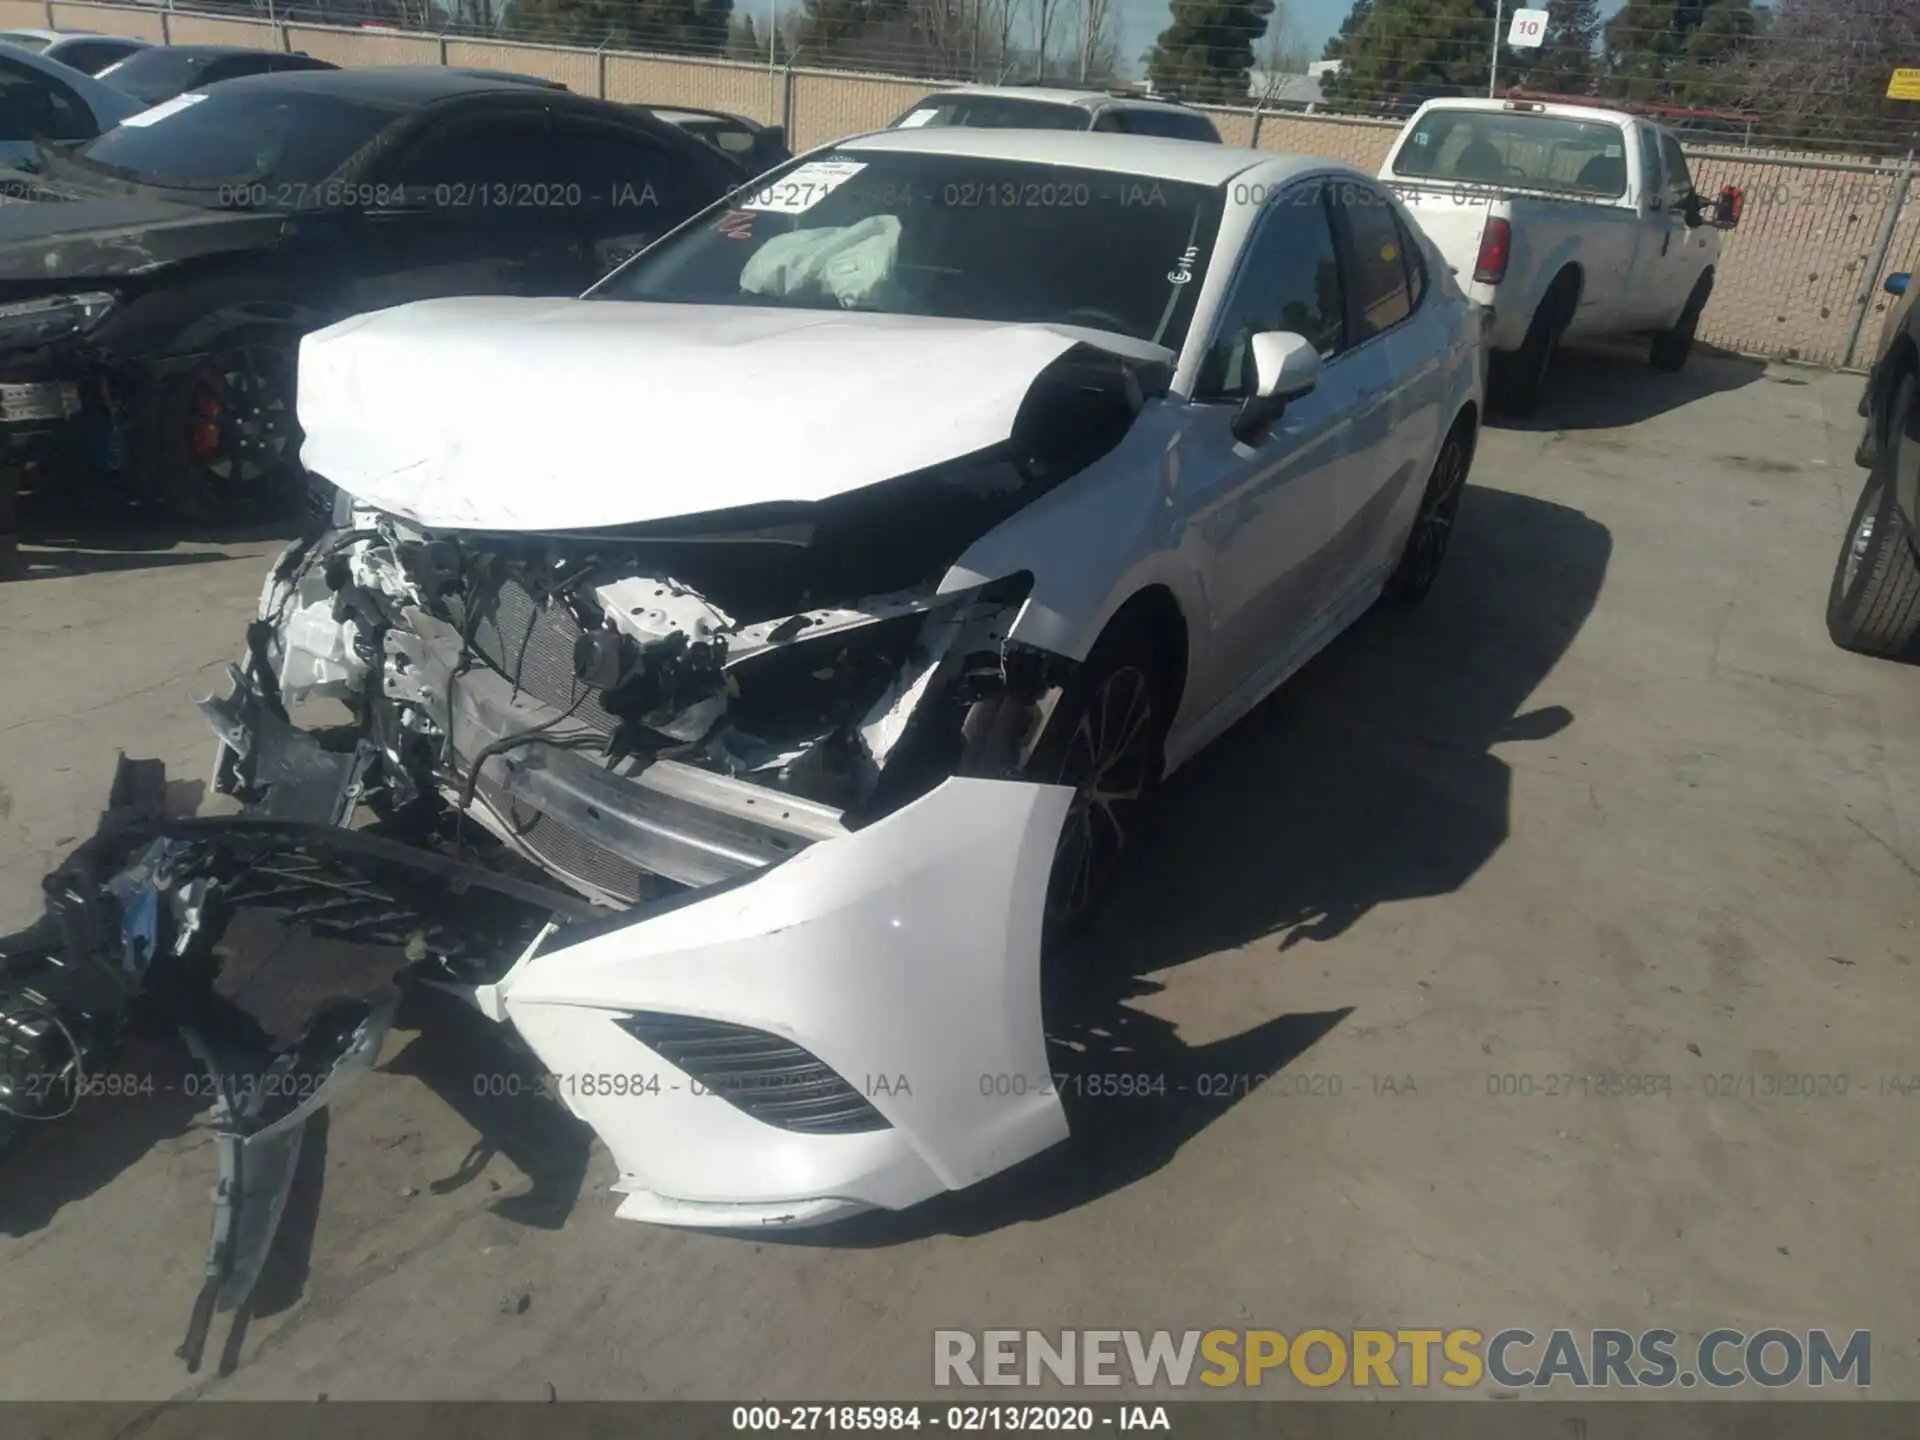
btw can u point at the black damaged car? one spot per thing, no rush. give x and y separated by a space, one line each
155 283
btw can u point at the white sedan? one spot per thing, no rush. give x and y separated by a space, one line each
825 593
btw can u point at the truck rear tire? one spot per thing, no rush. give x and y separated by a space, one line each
1670 348
1873 606
1520 378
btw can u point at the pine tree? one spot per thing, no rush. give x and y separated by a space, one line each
854 33
1204 55
1567 62
1678 52
1356 18
680 27
1414 49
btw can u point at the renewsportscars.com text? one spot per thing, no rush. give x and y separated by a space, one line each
1509 1359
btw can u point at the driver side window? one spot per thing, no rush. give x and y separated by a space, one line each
1679 181
1289 279
1652 183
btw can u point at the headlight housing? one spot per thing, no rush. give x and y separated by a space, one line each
52 317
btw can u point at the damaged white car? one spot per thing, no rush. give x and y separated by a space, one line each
822 596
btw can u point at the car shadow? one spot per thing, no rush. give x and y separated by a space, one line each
65 1160
53 547
453 1045
1371 777
1600 385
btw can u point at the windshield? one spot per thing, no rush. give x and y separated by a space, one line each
274 142
1539 152
25 42
944 235
158 73
994 112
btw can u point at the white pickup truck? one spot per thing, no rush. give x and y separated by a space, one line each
1568 221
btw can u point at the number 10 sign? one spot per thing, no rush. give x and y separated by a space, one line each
1529 28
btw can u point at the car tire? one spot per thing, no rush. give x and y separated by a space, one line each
1671 347
1873 605
1520 378
1106 737
223 437
1432 532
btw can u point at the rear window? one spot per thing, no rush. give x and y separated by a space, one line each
1170 124
275 141
159 73
993 112
1536 152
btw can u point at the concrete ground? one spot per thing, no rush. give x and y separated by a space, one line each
1609 805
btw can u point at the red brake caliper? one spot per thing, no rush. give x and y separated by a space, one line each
203 430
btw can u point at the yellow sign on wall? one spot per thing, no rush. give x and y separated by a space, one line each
1905 85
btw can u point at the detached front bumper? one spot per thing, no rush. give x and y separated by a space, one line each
857 1027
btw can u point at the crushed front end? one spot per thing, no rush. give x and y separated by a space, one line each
786 765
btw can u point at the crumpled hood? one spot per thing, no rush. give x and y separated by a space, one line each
519 414
50 232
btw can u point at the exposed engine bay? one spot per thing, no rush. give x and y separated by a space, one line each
676 703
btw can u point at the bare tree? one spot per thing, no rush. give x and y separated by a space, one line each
1006 14
1097 44
1043 14
1280 53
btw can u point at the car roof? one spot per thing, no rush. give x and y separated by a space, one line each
48 35
210 52
1147 156
398 85
1082 99
1528 107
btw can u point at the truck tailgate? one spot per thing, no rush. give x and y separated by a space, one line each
1453 217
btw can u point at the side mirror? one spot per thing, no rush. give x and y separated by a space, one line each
1896 283
1285 367
1694 211
1727 207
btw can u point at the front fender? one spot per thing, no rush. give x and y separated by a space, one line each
1095 542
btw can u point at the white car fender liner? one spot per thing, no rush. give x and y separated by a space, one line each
905 956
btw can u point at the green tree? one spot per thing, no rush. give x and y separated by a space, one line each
1567 61
1818 77
690 27
1205 53
1413 50
1679 52
1337 42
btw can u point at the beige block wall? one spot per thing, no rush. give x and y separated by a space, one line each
1790 277
362 47
749 90
829 105
578 71
206 30
109 20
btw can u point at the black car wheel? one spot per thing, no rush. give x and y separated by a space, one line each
1105 740
1873 605
1432 531
1520 378
226 436
1670 348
